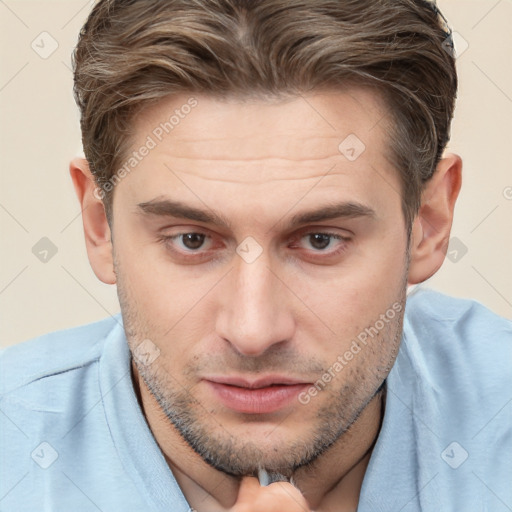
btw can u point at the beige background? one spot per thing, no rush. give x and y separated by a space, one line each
39 134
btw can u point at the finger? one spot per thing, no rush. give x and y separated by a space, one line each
276 497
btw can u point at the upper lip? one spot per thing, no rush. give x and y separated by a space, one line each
262 382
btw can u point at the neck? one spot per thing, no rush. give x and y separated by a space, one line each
333 480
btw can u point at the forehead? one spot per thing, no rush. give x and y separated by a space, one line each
265 149
306 126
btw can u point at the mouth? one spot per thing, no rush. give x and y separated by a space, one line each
261 396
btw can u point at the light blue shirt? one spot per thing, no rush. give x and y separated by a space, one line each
73 437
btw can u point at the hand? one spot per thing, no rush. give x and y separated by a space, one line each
276 497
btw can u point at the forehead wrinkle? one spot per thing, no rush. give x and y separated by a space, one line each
254 150
262 181
254 172
255 159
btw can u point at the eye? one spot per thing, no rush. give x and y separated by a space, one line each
193 247
191 241
322 242
319 240
320 247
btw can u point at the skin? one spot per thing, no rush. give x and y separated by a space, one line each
291 312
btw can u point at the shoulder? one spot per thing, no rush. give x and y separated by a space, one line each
426 305
447 411
458 345
443 321
53 354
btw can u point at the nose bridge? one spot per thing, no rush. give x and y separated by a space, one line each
255 315
255 290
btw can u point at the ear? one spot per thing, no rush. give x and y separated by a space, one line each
432 225
96 229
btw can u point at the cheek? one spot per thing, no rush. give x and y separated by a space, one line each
154 281
177 311
356 294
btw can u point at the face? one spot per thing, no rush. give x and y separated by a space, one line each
261 255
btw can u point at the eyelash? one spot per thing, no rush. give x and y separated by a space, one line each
193 256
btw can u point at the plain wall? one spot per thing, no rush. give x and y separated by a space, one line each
39 134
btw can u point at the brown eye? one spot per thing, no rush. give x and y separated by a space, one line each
319 240
320 245
192 241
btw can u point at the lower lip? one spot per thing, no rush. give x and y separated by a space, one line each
256 401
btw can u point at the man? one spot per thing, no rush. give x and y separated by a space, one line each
262 182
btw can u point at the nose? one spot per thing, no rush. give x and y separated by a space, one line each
255 312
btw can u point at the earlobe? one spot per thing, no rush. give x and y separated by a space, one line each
432 226
96 229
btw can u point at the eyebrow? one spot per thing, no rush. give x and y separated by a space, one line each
346 210
177 209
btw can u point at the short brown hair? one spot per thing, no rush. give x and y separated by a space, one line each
133 52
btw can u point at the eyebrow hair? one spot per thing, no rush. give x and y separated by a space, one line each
170 208
347 210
